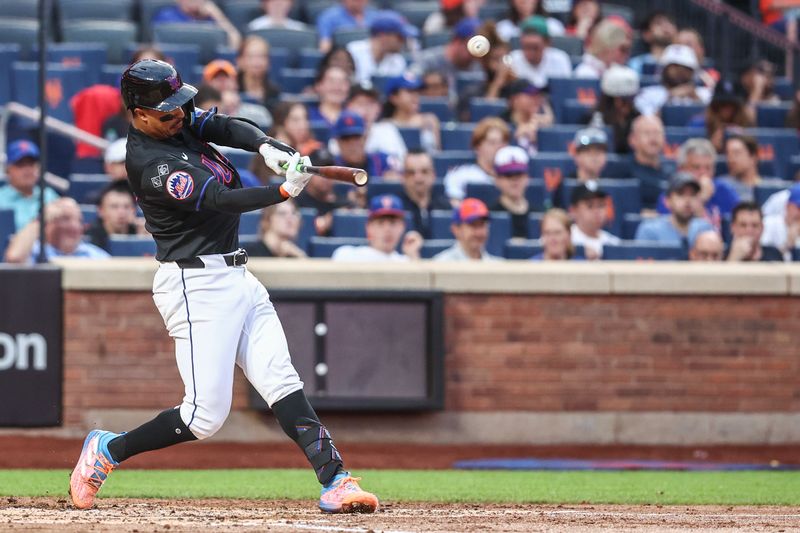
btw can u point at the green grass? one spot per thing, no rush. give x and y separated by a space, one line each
725 488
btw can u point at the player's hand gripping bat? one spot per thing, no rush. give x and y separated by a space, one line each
354 176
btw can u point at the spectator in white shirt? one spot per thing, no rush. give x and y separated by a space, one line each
382 136
589 210
783 231
471 229
489 135
276 15
385 228
609 45
679 67
380 54
537 61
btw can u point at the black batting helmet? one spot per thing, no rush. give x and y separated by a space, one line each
154 84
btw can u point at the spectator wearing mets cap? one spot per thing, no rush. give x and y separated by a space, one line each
679 67
537 61
349 132
381 53
471 229
386 227
21 193
511 166
452 58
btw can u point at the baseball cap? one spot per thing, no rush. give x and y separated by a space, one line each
392 22
217 67
511 160
587 137
470 210
451 4
794 194
679 54
679 180
586 191
521 86
466 28
348 124
406 81
20 150
363 89
386 205
620 81
115 153
535 24
725 93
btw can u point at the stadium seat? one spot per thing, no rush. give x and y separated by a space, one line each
86 188
432 247
465 80
207 36
649 80
111 74
90 55
384 187
241 12
485 107
630 223
635 251
784 88
343 36
325 246
7 228
768 187
574 111
183 56
485 192
765 168
522 249
586 91
457 136
624 12
307 228
792 168
680 115
439 106
24 9
322 131
61 85
416 12
131 245
772 115
95 10
88 213
147 10
776 144
309 59
293 40
412 137
349 224
22 32
313 8
279 59
239 158
559 138
573 46
8 54
444 161
295 80
439 38
249 222
115 34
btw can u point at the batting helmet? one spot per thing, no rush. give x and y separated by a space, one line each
154 84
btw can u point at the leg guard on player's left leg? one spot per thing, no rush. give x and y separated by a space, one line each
300 422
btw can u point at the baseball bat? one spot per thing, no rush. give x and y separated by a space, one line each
354 176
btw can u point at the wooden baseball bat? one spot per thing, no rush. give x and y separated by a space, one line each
354 176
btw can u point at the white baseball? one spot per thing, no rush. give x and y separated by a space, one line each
478 46
321 369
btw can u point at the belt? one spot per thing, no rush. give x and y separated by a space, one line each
237 258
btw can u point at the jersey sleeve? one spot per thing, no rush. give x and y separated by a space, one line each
175 183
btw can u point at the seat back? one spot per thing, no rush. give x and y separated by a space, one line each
61 85
209 37
115 34
131 245
633 251
95 10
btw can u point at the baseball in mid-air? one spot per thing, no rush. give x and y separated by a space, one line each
478 45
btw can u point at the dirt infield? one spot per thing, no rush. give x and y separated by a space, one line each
134 516
45 452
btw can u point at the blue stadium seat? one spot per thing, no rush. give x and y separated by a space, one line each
322 132
344 36
88 213
575 112
279 59
678 135
784 88
769 187
292 40
24 9
307 229
9 53
535 225
545 162
572 45
384 187
86 188
249 222
86 165
7 229
183 56
680 115
444 161
431 40
61 85
308 58
624 194
775 144
241 12
635 251
209 37
295 80
522 249
586 91
412 137
313 8
792 168
112 74
21 32
148 9
439 106
772 115
131 245
617 166
647 80
95 10
559 138
464 80
485 192
457 136
115 34
480 108
765 168
630 223
241 159
325 246
416 12
349 224
90 55
432 247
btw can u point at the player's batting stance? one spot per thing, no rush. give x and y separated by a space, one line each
217 312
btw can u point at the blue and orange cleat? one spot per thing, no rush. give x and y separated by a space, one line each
94 465
343 495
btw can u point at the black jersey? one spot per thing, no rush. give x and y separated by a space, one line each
190 194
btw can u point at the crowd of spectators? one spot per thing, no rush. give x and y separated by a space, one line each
400 96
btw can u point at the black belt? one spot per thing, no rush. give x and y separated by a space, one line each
237 258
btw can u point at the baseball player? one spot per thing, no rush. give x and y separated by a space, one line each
217 312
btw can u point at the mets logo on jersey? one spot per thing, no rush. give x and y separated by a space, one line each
180 185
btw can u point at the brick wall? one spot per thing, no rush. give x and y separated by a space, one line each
503 352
